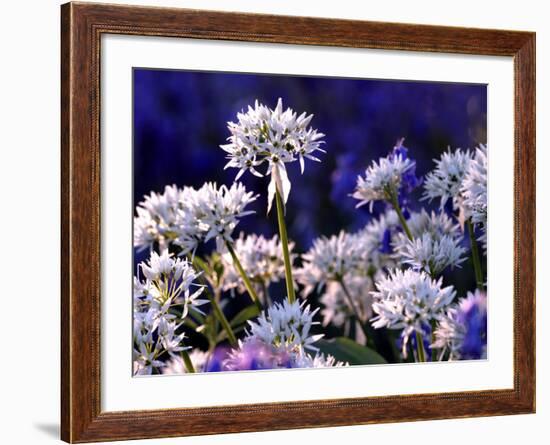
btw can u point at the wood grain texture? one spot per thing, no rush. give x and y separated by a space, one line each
81 28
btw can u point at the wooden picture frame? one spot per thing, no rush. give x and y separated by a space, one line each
82 26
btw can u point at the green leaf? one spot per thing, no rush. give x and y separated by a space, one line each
246 314
200 264
346 350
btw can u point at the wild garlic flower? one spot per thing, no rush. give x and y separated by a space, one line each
377 239
408 300
218 211
154 337
431 254
319 360
445 180
176 365
273 137
330 259
156 331
436 243
261 259
436 224
474 191
172 280
187 217
286 325
462 333
361 254
145 361
157 218
337 310
382 179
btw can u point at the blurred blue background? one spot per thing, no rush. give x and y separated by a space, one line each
180 120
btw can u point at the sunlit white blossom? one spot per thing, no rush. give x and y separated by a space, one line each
436 224
261 259
431 254
157 330
286 325
186 217
157 218
173 279
336 306
382 180
377 238
474 191
408 300
319 360
145 361
436 243
218 209
445 180
330 259
274 137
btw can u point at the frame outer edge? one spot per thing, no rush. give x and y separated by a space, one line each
525 129
81 417
66 48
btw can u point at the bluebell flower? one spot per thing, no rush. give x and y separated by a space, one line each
409 180
462 333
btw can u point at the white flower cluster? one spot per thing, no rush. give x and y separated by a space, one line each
330 259
461 176
377 238
272 136
431 254
445 180
337 310
158 218
409 300
382 180
474 191
280 338
168 285
354 258
319 360
436 243
261 259
187 217
287 325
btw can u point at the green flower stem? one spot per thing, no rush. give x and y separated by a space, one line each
420 347
395 203
368 334
247 282
475 255
284 242
187 361
220 316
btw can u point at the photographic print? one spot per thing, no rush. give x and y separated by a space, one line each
286 221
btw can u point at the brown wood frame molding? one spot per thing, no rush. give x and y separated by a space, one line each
82 25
